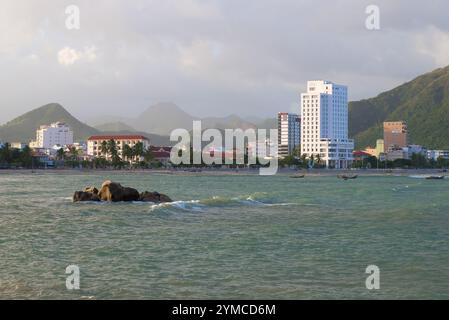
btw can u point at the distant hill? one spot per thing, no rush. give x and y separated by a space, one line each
163 118
422 102
229 122
23 128
114 126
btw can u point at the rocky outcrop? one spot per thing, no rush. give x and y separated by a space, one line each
114 192
85 196
155 197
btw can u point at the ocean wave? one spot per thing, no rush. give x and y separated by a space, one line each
254 200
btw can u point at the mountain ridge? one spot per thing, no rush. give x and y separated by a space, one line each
422 102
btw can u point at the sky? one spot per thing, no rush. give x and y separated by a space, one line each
210 57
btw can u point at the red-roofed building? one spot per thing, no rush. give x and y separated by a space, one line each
161 154
94 143
360 155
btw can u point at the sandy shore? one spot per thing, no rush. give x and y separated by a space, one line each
205 172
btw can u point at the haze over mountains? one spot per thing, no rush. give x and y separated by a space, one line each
422 102
163 118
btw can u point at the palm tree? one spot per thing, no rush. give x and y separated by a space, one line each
112 147
127 152
304 160
318 159
5 153
60 154
104 148
74 153
138 150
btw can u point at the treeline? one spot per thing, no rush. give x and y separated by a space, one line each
13 158
131 157
417 161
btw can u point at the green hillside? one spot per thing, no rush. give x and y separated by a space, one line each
23 128
422 102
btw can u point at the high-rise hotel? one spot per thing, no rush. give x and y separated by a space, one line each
289 125
324 124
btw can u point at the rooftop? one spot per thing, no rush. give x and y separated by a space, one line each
118 137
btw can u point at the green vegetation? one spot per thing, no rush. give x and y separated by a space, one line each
422 102
15 158
23 128
417 161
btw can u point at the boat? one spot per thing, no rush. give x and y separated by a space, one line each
298 176
435 178
345 177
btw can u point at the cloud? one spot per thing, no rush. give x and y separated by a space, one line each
211 57
68 56
434 43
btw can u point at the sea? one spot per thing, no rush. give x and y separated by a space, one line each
225 237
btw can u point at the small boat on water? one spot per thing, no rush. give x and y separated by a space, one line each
435 178
346 177
298 176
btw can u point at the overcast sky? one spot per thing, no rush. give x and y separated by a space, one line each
249 57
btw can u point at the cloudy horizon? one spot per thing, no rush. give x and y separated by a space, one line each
211 58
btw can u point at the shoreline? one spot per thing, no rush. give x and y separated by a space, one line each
231 172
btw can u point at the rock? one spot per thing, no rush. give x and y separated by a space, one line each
130 194
115 192
111 191
85 196
155 197
91 190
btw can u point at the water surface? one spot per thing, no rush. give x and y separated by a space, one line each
241 237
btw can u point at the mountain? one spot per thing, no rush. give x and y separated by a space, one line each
122 128
229 122
23 128
114 126
422 102
162 118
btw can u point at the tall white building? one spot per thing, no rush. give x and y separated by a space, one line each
324 124
57 133
289 129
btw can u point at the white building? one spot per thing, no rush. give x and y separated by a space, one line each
94 144
324 124
289 130
47 136
18 145
435 154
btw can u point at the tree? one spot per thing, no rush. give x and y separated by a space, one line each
138 150
104 148
112 148
318 159
303 160
127 152
74 153
418 160
60 154
6 153
26 157
148 156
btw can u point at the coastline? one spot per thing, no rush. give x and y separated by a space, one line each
230 172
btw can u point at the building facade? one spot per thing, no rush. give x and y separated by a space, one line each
95 143
378 150
324 124
395 135
289 133
47 136
436 154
